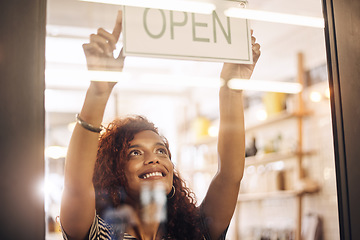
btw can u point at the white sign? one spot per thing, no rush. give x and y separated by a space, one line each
181 35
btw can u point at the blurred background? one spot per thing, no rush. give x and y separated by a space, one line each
289 186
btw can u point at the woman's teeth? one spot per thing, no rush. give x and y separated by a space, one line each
153 174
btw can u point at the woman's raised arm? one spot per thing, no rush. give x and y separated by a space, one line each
78 201
220 201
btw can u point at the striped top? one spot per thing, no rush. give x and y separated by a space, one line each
100 230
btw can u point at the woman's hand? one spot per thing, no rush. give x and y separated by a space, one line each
242 71
100 57
99 51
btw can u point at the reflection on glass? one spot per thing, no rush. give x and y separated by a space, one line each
263 209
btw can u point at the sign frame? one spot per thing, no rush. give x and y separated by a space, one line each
130 51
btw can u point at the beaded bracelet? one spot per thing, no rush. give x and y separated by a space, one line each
88 126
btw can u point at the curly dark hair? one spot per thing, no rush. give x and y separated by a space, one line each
110 182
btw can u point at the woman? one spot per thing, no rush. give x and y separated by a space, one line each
109 173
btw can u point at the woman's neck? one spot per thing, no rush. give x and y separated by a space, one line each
143 229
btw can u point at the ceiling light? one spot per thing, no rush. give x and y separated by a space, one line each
261 115
275 17
265 86
81 78
175 5
108 76
68 31
315 97
56 78
213 131
180 80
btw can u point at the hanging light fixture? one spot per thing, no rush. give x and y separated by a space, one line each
265 86
175 5
275 17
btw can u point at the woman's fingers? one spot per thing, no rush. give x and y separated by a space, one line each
256 52
92 48
99 51
121 56
116 34
255 47
102 43
105 40
118 27
253 40
110 39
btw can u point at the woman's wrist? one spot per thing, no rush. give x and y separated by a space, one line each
94 106
87 125
99 90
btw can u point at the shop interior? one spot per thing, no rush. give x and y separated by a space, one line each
289 187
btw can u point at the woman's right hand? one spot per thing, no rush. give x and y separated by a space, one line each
242 71
100 57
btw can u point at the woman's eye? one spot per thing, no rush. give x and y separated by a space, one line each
162 151
134 153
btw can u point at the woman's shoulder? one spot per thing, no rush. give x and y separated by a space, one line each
99 230
106 231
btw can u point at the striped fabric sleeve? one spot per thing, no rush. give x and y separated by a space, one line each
99 230
63 233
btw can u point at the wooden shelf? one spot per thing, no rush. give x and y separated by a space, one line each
243 197
274 157
272 120
255 160
276 119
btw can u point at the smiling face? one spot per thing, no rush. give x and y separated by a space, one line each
148 162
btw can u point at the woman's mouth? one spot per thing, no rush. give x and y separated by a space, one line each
152 175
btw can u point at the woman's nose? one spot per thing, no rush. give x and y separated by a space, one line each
152 159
